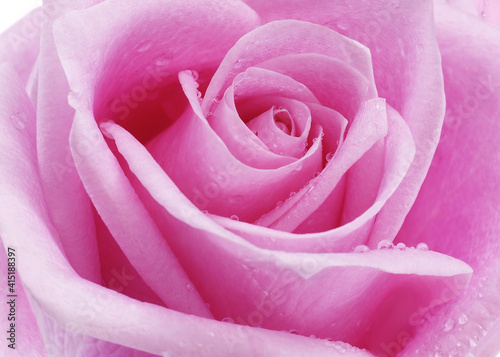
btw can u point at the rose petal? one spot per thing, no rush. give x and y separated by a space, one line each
282 38
457 209
243 144
344 90
406 65
68 204
277 290
20 44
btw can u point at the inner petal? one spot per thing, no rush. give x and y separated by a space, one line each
274 126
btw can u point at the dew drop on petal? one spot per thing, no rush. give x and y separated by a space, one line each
329 156
439 354
235 217
361 249
194 74
422 246
19 120
449 324
316 174
228 320
385 244
463 319
401 246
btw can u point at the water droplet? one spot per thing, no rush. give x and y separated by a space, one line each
385 244
211 333
279 203
238 64
453 352
194 74
463 319
329 156
198 94
19 120
144 46
422 246
312 336
228 320
342 26
439 354
449 324
472 342
204 211
163 60
255 132
339 348
293 332
292 194
316 174
361 249
401 246
235 217
483 14
190 286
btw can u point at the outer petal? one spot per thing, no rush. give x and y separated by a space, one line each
68 204
78 316
457 210
20 44
406 65
279 290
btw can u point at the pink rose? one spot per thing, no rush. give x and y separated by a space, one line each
227 178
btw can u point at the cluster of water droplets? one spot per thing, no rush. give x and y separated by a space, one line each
385 244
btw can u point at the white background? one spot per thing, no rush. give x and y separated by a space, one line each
12 11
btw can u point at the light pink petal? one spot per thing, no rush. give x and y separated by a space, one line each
260 82
117 272
79 318
406 64
239 139
129 222
20 44
344 89
367 128
67 201
277 127
282 38
456 212
279 290
488 10
212 178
